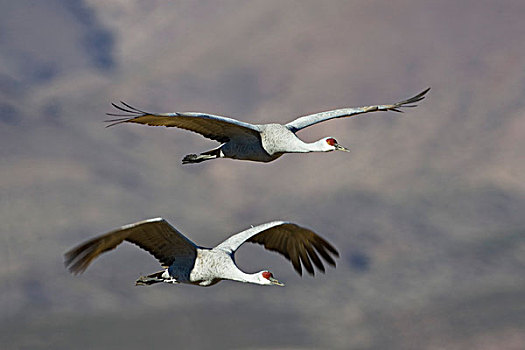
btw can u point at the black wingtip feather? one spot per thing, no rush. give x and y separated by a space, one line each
420 96
315 259
297 267
130 113
305 259
416 98
326 256
123 109
121 115
134 108
116 122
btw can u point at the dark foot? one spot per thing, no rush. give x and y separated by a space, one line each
194 158
190 158
146 281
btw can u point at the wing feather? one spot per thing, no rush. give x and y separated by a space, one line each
298 244
156 236
303 252
218 128
308 120
317 262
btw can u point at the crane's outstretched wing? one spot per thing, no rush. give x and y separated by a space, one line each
294 242
156 236
214 127
307 120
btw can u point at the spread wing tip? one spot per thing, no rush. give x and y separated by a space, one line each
303 247
129 113
117 120
410 102
418 97
75 264
315 252
128 108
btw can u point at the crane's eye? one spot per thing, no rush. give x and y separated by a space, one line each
267 274
331 141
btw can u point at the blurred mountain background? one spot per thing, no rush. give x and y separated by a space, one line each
427 211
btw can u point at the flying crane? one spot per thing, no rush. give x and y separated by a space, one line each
185 262
245 141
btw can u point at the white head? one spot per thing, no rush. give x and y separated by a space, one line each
329 144
266 278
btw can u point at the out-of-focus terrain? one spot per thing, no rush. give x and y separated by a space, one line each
427 210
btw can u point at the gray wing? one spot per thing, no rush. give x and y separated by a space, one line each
303 122
295 243
156 236
214 127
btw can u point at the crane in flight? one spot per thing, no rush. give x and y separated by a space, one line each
185 262
245 141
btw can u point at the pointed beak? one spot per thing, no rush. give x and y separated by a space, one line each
338 147
274 281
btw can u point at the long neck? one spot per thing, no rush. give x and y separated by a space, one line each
238 275
305 147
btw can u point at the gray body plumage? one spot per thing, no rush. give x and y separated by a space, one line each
212 266
278 139
245 147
